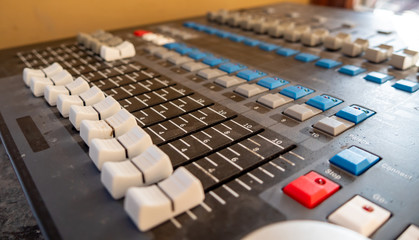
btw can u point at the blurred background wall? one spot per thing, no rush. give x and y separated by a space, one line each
31 21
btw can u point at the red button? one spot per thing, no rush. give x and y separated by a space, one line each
140 32
311 189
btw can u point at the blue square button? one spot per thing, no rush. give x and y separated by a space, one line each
183 49
231 67
296 92
306 57
198 55
250 75
351 70
406 85
199 27
355 114
272 82
354 160
223 34
173 45
327 63
251 42
189 24
236 38
268 46
286 52
212 61
323 102
378 77
211 30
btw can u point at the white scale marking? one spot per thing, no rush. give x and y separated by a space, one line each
210 161
222 134
236 195
278 167
210 148
299 156
177 150
247 187
217 112
206 134
206 207
271 141
129 93
183 110
176 223
206 172
229 128
183 119
158 112
248 129
184 142
250 150
206 124
218 198
228 160
255 178
238 154
195 101
286 160
191 215
266 172
178 126
158 135
202 113
162 126
160 96
174 89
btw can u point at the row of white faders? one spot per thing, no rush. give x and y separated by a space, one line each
130 164
108 46
314 37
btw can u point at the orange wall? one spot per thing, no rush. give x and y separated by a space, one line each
30 21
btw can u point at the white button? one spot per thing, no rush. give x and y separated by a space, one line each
355 48
165 55
109 53
302 112
378 54
92 96
126 49
194 66
114 126
234 19
38 85
315 37
135 141
51 93
274 100
222 16
101 110
210 73
96 45
261 25
336 42
250 90
150 206
360 215
153 49
333 125
247 22
150 167
159 50
45 72
64 102
405 59
106 150
229 81
278 30
178 60
62 78
411 233
294 34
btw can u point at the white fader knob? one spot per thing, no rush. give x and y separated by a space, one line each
78 86
87 98
378 54
52 69
151 166
336 42
150 206
101 110
355 48
315 37
294 35
404 60
123 50
114 126
38 84
129 145
278 30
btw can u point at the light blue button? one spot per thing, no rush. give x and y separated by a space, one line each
286 52
231 67
212 61
351 70
296 92
173 45
199 27
327 63
189 24
406 85
223 34
306 57
272 82
323 102
251 42
198 55
354 160
183 49
378 77
236 38
355 114
250 75
211 30
268 46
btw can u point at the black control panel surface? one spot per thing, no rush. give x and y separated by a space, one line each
242 147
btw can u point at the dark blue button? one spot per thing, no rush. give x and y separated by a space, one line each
183 49
199 27
223 34
327 63
272 82
296 92
231 67
251 42
306 57
351 70
323 102
378 77
268 46
212 61
250 75
355 114
198 55
236 38
286 52
189 24
406 85
211 30
173 45
354 160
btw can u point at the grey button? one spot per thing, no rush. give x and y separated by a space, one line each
229 81
210 73
194 66
250 90
274 100
177 60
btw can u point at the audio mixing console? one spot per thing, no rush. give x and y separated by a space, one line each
216 126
